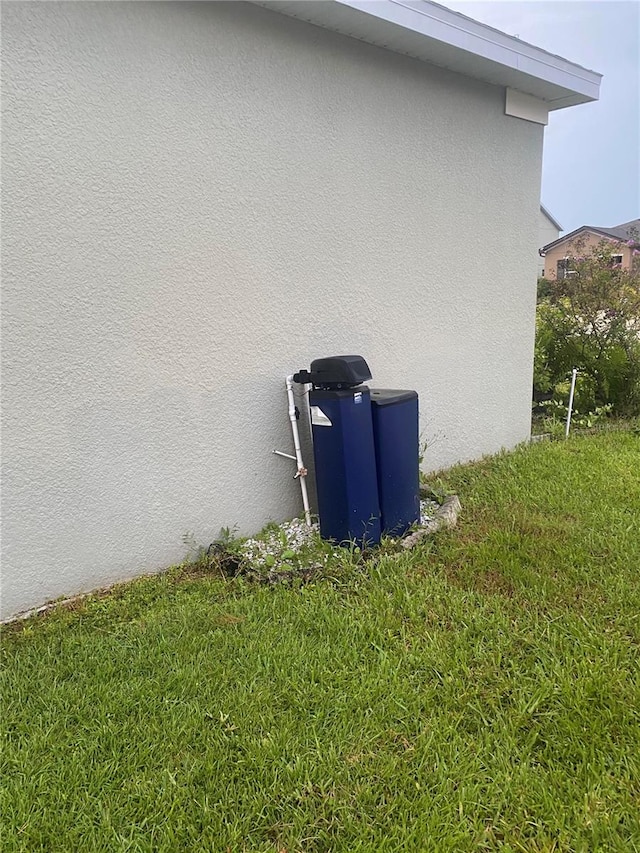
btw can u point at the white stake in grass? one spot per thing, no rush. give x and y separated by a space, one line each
573 388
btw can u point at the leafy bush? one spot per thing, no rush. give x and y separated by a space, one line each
591 320
554 418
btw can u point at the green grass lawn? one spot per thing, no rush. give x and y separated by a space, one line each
479 693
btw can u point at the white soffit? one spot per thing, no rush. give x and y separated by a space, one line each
439 36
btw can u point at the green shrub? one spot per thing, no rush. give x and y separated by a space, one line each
590 320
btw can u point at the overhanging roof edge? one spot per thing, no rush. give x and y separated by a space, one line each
417 27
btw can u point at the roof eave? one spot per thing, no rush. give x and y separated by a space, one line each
437 35
602 232
551 219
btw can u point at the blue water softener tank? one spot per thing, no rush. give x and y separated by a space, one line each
395 430
343 449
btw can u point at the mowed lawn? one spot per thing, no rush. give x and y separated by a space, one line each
479 693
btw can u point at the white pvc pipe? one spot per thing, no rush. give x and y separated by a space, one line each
573 388
302 471
285 455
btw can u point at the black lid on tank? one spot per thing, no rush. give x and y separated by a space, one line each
391 396
336 371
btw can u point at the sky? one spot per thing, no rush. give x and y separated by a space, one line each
591 165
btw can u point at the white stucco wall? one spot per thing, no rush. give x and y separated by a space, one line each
199 199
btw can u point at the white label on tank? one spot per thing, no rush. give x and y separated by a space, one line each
318 417
357 397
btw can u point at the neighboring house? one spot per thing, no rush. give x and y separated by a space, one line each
624 239
548 230
200 198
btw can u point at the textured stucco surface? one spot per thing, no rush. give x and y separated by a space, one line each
199 199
